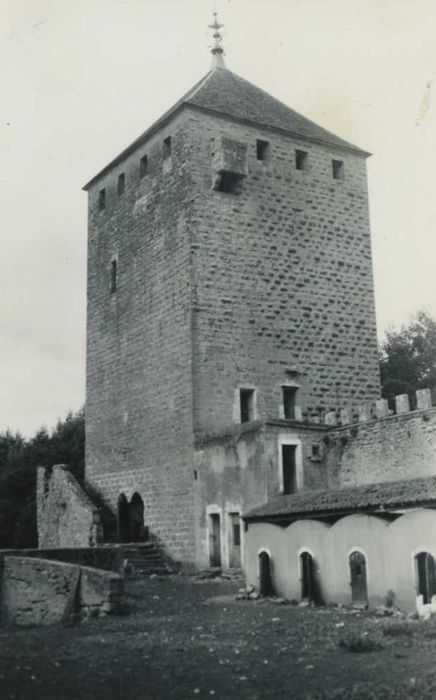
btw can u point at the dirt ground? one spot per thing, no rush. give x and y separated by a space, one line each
185 638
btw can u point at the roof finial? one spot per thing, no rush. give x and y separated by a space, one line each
217 50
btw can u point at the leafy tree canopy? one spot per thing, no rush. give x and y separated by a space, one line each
408 357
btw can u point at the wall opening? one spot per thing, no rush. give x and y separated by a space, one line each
301 160
289 401
228 182
102 200
246 403
113 276
123 520
215 539
338 169
166 147
262 149
143 166
137 530
289 468
358 582
425 575
121 184
265 578
235 541
307 576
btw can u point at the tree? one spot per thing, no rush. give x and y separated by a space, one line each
19 459
408 357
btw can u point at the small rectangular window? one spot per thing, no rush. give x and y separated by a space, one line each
121 184
262 149
102 200
166 147
315 451
289 401
338 169
301 158
143 166
113 276
246 400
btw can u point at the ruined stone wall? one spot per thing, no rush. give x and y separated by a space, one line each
66 517
282 277
370 449
42 592
139 377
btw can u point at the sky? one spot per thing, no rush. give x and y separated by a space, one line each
81 79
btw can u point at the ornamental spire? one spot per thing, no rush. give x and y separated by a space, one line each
217 50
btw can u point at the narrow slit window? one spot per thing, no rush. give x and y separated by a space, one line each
289 401
262 149
301 159
113 276
102 200
166 147
338 169
121 184
143 166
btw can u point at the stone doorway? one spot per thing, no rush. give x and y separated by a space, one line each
359 588
307 577
425 575
123 519
235 541
265 579
215 539
137 518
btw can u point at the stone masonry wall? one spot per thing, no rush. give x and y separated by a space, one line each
282 278
42 592
215 291
66 517
240 469
390 447
139 374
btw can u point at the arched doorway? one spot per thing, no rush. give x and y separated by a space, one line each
265 579
307 577
359 589
425 575
136 518
123 519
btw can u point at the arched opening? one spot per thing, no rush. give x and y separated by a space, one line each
425 575
307 577
123 519
359 589
265 579
137 530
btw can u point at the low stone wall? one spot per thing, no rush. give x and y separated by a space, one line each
43 592
106 558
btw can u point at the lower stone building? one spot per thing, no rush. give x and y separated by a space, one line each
366 545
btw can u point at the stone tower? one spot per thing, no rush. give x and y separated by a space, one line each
230 306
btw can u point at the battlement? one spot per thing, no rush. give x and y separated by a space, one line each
379 409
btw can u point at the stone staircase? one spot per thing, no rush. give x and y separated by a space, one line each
144 559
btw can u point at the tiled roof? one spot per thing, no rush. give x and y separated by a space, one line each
224 92
389 495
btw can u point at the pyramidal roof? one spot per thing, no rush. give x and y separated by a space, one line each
225 93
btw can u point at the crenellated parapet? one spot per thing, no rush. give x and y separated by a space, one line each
373 411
